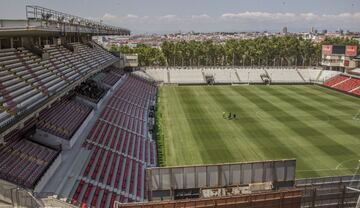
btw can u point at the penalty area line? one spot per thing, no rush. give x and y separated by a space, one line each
315 170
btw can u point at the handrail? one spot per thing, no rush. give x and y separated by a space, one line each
40 13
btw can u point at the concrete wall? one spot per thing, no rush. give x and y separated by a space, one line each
51 140
48 174
15 196
220 175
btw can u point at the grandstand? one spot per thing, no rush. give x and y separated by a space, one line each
77 130
244 75
346 83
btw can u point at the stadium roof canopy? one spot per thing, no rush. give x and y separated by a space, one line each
43 21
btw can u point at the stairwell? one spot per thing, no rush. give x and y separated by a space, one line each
318 76
203 74
168 76
237 76
267 74
301 76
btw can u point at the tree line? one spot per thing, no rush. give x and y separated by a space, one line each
261 51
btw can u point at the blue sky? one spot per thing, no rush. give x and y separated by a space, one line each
162 16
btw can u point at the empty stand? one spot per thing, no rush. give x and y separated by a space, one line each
186 76
335 80
63 118
235 75
349 84
23 162
108 79
26 79
285 75
90 90
120 148
356 92
344 83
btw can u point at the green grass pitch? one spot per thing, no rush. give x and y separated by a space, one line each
313 124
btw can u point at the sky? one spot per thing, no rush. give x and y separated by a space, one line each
167 16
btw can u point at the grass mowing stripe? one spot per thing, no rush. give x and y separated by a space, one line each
253 126
327 149
342 125
328 98
331 93
214 141
178 138
190 115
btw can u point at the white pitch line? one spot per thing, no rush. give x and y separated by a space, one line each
314 170
340 164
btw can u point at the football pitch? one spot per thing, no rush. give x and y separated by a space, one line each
317 126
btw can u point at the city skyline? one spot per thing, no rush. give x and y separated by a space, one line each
160 16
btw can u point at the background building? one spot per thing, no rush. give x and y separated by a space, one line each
339 57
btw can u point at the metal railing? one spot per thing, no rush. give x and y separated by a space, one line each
43 14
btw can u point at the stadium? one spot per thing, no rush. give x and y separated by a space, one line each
79 128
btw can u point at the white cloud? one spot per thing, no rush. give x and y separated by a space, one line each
267 16
132 16
201 16
167 17
109 17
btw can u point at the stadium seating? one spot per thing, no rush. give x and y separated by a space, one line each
310 75
120 148
90 90
248 75
234 75
63 118
116 71
222 75
356 92
335 80
108 79
348 84
186 76
159 75
20 86
23 162
26 79
285 75
344 83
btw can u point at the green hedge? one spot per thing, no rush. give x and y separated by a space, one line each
159 133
